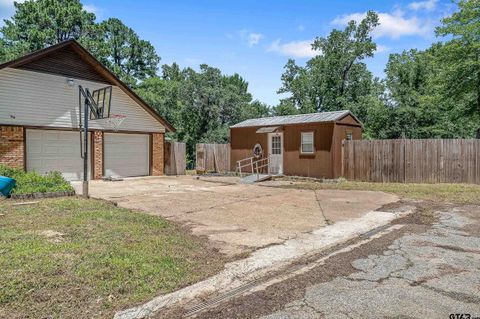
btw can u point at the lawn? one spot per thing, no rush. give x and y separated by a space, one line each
456 193
76 258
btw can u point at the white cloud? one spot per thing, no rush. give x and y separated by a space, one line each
382 48
90 8
250 38
254 39
392 25
297 49
94 9
426 5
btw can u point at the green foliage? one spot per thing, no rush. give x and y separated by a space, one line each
32 182
335 79
37 24
120 49
459 76
200 105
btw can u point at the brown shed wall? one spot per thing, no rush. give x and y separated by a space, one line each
318 164
326 162
242 141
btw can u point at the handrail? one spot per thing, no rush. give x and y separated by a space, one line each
245 159
254 165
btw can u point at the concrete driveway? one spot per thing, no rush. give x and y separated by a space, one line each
238 218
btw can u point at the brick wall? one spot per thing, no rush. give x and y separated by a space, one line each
157 154
11 146
97 154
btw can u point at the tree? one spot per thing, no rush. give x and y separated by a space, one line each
336 78
409 84
42 23
255 109
459 76
37 24
122 51
201 105
343 52
163 96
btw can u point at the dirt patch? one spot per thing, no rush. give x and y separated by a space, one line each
52 235
425 213
472 230
459 249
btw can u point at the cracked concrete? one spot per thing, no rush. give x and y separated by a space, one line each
238 218
426 275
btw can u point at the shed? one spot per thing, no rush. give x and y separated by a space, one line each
307 145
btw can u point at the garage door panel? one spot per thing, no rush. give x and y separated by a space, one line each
126 154
49 150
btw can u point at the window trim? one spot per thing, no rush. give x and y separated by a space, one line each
313 142
349 133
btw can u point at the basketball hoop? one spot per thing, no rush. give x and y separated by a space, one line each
96 106
115 121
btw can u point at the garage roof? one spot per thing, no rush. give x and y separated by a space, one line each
296 119
88 58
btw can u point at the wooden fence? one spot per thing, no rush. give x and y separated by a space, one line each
175 158
213 157
413 161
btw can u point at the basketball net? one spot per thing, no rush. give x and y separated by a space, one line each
115 121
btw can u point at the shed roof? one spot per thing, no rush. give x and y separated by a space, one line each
296 119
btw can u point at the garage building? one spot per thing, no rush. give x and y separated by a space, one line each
39 118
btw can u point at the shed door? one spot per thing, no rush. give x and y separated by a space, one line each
52 150
275 152
126 154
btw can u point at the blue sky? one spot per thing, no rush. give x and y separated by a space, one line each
256 38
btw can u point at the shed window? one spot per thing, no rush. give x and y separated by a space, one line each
307 143
349 136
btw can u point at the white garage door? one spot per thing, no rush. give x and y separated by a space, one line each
49 150
126 154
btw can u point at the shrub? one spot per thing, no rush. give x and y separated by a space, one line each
32 182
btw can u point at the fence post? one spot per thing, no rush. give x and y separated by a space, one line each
404 160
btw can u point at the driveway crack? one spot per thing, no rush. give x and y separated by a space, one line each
327 221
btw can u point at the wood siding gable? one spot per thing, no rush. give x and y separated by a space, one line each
66 62
38 99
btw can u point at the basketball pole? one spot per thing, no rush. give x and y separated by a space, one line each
85 151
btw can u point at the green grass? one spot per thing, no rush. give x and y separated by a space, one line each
457 193
32 182
75 258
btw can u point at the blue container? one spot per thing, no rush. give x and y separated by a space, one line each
6 185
